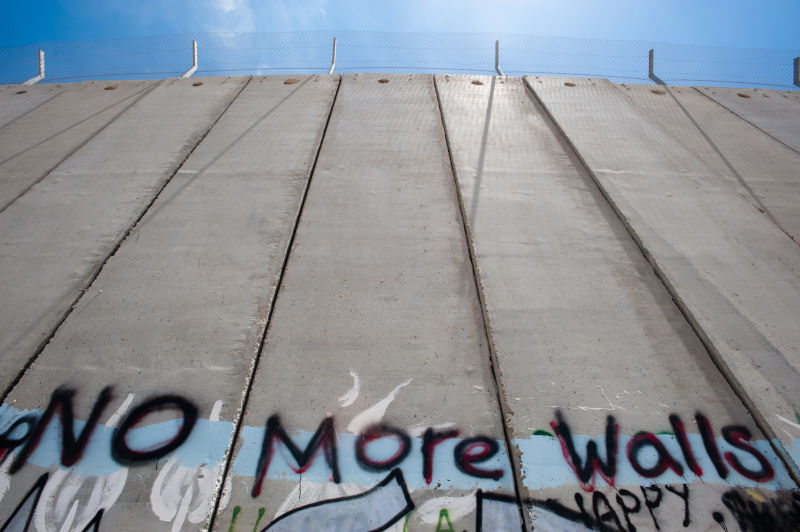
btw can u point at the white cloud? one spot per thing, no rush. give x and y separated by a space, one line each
228 5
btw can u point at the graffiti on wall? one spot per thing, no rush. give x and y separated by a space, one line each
619 480
660 459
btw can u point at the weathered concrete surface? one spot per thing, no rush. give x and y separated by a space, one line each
774 112
579 322
41 139
16 100
57 235
733 271
377 319
180 309
762 167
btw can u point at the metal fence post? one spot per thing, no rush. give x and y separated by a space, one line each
797 71
651 74
333 60
194 61
40 77
497 58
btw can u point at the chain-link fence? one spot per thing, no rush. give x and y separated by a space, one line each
361 51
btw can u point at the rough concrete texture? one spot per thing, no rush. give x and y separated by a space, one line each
17 100
731 268
380 279
567 292
57 235
248 304
42 138
765 170
776 113
181 306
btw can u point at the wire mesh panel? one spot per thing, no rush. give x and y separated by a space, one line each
562 56
19 63
149 57
684 63
303 52
416 52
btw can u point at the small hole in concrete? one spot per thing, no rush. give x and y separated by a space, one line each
740 95
21 92
476 82
656 91
110 88
569 84
291 81
384 80
197 83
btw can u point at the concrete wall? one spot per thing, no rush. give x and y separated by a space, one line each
398 302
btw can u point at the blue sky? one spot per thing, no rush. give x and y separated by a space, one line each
767 24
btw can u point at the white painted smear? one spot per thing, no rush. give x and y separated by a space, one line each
457 507
67 491
104 494
5 478
215 410
116 416
611 406
352 394
623 392
183 493
416 431
70 518
162 493
59 508
375 413
47 514
183 509
788 421
206 481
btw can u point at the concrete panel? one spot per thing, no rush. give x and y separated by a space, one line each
17 100
180 310
730 268
377 330
580 324
763 169
40 140
775 112
165 280
57 236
